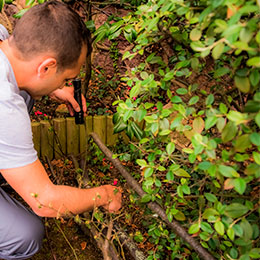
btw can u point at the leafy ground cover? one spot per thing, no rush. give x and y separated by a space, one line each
183 78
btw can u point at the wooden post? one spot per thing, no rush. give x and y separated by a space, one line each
111 137
36 132
82 139
89 125
46 139
72 136
99 127
59 126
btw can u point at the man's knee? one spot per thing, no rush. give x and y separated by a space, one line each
26 239
32 236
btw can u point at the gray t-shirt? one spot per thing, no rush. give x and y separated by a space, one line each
16 145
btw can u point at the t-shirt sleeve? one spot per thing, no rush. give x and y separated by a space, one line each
16 145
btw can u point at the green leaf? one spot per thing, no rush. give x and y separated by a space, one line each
240 185
146 198
235 210
257 119
242 83
255 61
198 124
182 91
165 132
210 121
255 139
194 228
244 257
170 148
209 99
237 117
181 173
210 197
2 3
135 90
219 227
195 34
141 162
198 46
227 171
256 157
242 143
229 132
193 100
231 233
218 50
148 172
255 253
206 227
221 72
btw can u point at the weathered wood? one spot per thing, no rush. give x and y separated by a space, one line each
111 137
82 139
46 139
99 127
89 125
72 136
60 138
36 132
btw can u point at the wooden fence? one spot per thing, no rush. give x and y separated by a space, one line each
61 136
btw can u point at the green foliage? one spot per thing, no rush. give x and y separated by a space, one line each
220 165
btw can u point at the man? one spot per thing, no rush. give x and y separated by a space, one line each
47 48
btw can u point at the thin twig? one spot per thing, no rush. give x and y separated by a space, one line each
68 242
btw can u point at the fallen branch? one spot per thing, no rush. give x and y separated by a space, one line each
174 225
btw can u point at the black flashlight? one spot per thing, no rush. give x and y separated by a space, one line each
79 116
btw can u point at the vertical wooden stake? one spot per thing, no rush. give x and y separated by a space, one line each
36 132
111 137
46 139
72 136
99 127
60 138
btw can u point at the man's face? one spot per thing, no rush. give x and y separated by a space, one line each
46 85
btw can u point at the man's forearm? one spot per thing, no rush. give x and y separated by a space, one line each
65 200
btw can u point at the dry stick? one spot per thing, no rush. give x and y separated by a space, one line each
174 225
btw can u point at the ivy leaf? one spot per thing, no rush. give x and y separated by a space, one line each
219 227
235 210
240 185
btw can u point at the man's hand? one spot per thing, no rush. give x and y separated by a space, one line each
66 95
114 198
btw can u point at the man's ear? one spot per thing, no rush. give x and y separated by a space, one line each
47 67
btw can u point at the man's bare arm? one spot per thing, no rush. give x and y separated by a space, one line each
46 199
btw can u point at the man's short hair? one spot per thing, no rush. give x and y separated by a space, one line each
53 28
